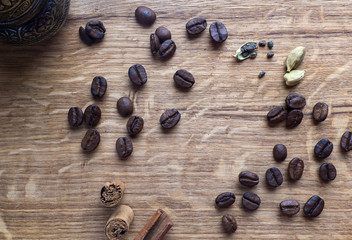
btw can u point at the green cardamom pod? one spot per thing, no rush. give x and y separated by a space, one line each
294 77
295 57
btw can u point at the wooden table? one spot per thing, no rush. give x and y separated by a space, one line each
49 189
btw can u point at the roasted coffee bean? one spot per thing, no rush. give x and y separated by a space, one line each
163 34
183 79
295 101
125 106
248 179
262 43
95 30
270 54
327 172
289 207
99 86
154 43
273 177
167 49
170 118
295 169
261 74
229 223
280 152
270 44
84 36
124 147
250 201
323 149
137 75
75 116
320 111
225 199
196 25
294 118
218 32
91 140
314 206
346 141
135 125
145 16
276 115
92 115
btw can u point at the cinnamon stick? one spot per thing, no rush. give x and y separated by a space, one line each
111 193
119 222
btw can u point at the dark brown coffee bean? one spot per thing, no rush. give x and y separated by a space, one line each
248 179
225 200
229 223
262 43
91 140
270 44
218 32
75 116
346 141
154 43
145 16
270 54
95 30
196 26
295 169
314 206
261 74
273 177
276 115
183 79
280 152
289 207
99 86
124 147
295 101
84 36
294 118
320 111
92 115
327 172
137 75
250 201
135 125
323 149
170 118
167 49
125 106
163 34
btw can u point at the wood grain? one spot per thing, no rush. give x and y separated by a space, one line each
49 189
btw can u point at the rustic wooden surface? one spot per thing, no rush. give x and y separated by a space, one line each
49 189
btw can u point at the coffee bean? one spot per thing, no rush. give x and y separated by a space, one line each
273 177
276 115
99 86
294 118
248 179
270 44
84 36
137 75
289 207
250 201
124 147
91 140
261 74
196 26
218 32
295 101
270 54
154 43
295 169
262 43
314 206
167 49
135 125
95 30
145 16
229 223
280 152
125 106
183 79
320 111
225 199
170 118
327 172
346 141
163 34
92 115
75 116
323 149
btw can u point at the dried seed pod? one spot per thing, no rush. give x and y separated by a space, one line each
295 58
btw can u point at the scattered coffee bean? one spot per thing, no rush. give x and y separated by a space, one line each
250 201
270 44
295 169
280 152
270 54
218 32
196 26
135 125
91 140
273 177
229 223
314 206
125 106
323 149
327 172
294 118
124 147
346 141
75 116
137 75
225 199
183 79
84 36
92 115
320 111
99 86
248 179
95 30
167 49
154 43
261 74
276 115
163 34
145 16
295 101
262 43
170 118
289 207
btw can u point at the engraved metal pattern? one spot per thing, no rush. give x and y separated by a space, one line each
11 10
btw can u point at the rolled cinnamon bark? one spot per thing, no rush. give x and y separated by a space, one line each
119 222
111 193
